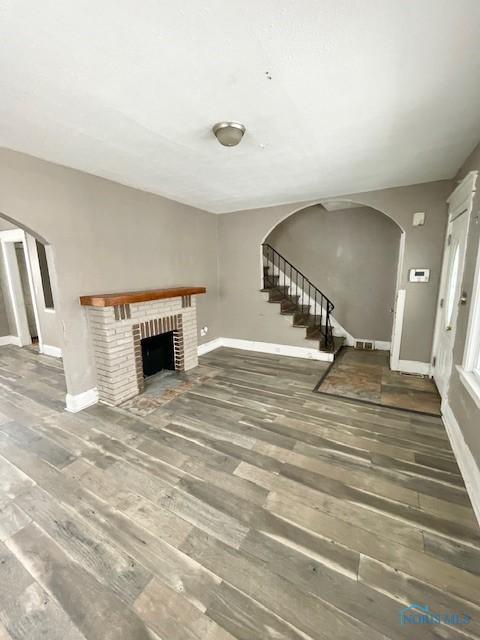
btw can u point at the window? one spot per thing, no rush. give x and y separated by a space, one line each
45 275
450 293
470 370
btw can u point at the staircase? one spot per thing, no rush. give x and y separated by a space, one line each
299 298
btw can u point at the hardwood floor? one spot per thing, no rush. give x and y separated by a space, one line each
248 507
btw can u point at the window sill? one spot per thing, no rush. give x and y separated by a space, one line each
471 382
48 310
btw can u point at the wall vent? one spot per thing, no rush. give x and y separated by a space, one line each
365 345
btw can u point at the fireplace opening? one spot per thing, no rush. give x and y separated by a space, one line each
158 353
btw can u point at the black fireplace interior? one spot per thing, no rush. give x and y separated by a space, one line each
158 353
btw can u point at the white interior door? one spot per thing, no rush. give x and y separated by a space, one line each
460 205
454 260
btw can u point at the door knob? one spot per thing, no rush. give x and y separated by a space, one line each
449 328
463 298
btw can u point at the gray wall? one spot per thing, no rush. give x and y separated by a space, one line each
244 312
461 403
105 238
352 256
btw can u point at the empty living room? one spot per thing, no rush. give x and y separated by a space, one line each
240 320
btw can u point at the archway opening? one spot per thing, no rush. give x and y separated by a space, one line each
30 326
351 253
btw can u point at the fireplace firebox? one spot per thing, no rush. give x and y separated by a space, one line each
158 353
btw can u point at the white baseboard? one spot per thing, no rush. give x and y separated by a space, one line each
80 401
209 346
466 462
4 340
413 366
48 350
269 347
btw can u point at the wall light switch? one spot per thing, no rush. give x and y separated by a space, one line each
419 219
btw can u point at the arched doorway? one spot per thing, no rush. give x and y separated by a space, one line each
354 255
29 313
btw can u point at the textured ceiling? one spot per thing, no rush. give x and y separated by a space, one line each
338 96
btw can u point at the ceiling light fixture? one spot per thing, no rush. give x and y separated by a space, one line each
228 133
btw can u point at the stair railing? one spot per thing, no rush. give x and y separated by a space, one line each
300 290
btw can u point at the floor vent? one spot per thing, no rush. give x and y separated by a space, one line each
412 375
365 345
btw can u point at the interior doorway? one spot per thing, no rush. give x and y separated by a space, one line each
326 242
27 292
450 296
20 292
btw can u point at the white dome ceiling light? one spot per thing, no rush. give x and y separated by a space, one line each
228 133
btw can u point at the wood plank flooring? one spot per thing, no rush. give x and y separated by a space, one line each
246 508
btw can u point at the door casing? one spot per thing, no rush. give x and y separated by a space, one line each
8 239
460 204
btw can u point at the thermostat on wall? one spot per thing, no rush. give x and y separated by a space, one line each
419 219
419 275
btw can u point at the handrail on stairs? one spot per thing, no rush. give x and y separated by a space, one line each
301 291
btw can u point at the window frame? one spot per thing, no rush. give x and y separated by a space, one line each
469 371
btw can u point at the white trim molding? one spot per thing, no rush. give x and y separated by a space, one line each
460 203
209 346
279 349
464 457
267 347
397 329
80 401
469 371
49 350
472 343
414 366
4 340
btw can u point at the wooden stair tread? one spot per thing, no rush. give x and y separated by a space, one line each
302 318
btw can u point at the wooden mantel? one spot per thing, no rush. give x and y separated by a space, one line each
130 297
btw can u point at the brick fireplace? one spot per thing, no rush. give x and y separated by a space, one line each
119 322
